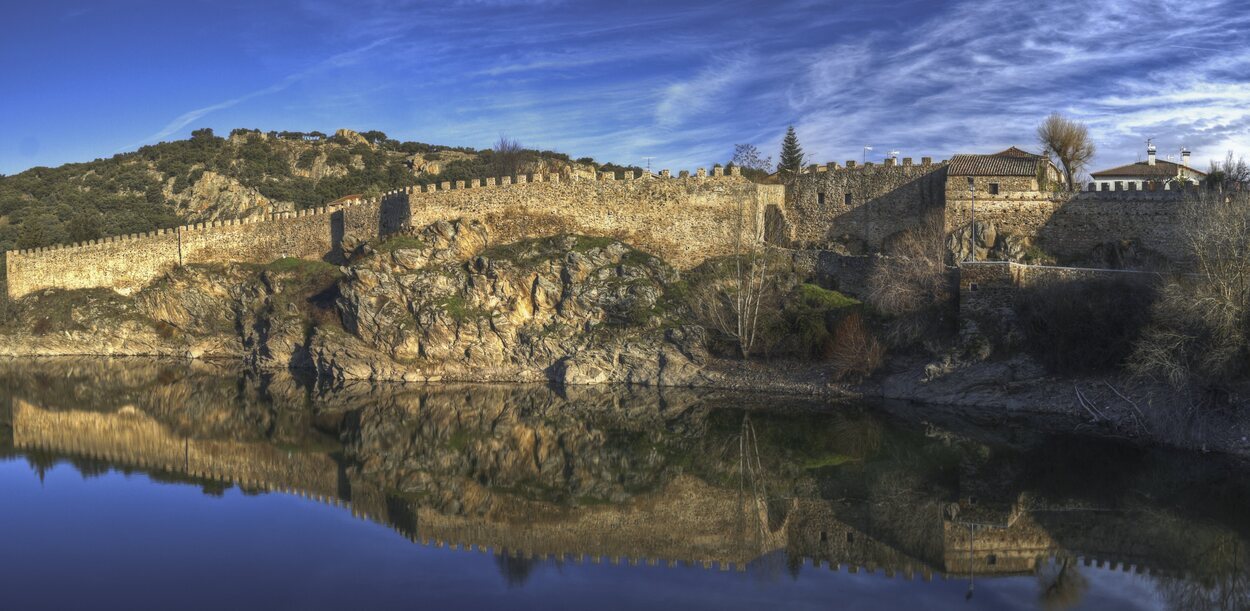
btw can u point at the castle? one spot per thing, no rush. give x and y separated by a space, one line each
684 219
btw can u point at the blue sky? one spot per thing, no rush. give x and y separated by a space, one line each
621 81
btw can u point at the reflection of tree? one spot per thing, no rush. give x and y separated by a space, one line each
1061 585
1221 580
516 570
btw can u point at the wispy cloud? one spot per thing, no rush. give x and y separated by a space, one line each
340 60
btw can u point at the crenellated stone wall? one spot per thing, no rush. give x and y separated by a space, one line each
683 219
861 207
1072 225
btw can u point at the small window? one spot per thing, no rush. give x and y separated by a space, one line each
993 188
848 199
824 536
1119 185
850 537
991 560
973 287
820 198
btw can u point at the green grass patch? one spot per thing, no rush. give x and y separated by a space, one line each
400 242
303 267
460 310
830 460
816 297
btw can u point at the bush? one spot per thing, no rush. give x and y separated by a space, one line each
810 315
913 287
1200 332
856 353
1084 326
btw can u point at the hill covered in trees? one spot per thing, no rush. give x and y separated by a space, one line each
208 177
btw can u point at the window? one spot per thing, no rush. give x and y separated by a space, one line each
991 560
1119 185
993 188
850 537
973 287
848 199
820 197
824 536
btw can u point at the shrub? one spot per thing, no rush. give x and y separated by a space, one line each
809 317
856 353
1200 333
913 288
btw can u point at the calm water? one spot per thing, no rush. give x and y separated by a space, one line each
143 486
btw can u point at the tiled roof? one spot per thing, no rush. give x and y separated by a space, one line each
1017 152
1006 163
1161 169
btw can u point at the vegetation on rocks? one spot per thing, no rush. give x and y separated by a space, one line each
207 177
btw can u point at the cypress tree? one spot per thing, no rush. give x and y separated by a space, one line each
791 161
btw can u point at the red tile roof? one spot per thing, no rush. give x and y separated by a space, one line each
1011 162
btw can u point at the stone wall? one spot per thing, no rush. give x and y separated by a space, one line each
683 220
860 207
1072 225
124 263
988 289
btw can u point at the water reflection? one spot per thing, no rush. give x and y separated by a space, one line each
727 482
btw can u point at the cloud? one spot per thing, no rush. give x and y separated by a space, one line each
340 60
980 75
709 89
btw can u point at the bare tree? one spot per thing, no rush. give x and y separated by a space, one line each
1200 329
736 306
912 285
506 155
1068 141
1231 175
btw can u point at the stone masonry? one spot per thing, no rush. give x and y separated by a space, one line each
683 220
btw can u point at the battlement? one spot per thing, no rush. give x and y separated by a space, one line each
129 262
853 165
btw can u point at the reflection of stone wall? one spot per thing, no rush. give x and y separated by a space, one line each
131 437
686 521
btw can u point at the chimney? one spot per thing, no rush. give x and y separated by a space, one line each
1150 153
1185 156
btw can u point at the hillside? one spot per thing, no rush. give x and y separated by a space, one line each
207 177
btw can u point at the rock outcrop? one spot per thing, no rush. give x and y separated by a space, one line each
439 303
216 197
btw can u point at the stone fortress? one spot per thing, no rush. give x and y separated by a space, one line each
856 209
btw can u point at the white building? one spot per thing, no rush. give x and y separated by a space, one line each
1150 175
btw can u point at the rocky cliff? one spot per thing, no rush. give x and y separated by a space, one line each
439 303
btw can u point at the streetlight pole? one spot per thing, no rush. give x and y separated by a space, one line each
866 149
972 190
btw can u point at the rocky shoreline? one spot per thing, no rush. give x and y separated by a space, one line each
444 304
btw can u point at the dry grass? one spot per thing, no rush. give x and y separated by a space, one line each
856 353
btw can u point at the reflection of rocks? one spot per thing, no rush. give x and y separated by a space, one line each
646 476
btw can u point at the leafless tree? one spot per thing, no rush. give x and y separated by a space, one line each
912 280
1200 329
506 155
1069 142
1230 175
736 306
1061 584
